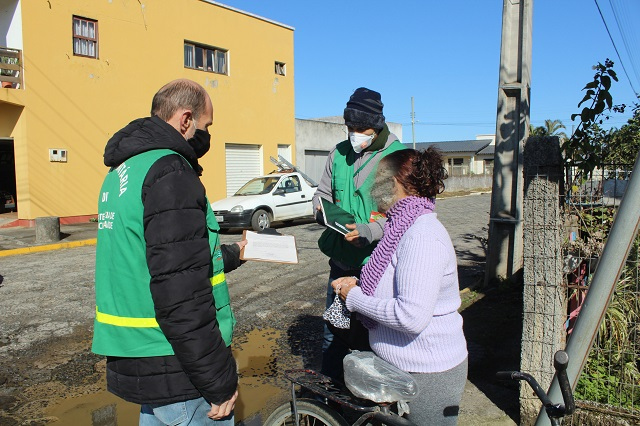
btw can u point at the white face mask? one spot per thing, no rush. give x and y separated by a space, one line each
360 141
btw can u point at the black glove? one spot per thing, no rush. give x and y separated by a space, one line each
231 257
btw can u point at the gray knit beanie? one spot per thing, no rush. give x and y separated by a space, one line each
364 110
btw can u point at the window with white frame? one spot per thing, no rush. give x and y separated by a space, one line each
206 58
85 37
488 166
457 167
281 68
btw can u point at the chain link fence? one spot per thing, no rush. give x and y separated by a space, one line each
608 391
567 220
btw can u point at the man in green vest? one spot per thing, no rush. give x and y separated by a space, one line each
347 182
163 318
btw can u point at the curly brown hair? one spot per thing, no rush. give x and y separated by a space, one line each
420 173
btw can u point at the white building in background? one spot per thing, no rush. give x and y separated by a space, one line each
467 157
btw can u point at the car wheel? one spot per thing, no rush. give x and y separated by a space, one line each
260 220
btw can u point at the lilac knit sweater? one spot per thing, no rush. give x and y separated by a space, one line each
415 304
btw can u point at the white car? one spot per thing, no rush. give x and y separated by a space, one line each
266 199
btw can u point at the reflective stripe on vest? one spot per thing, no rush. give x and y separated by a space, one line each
142 322
217 279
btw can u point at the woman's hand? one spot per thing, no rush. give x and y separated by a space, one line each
342 286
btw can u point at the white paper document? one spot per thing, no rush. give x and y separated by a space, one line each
269 248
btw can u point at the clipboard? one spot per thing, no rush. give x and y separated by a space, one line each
269 246
335 217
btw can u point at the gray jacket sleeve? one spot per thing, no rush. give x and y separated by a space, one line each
371 231
324 187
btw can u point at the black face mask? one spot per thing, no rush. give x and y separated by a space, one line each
200 142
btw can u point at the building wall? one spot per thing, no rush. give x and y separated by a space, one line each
480 163
473 164
323 134
468 183
77 103
318 135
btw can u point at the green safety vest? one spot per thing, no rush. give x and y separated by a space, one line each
224 313
125 323
356 201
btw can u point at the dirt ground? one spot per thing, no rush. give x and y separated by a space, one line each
46 300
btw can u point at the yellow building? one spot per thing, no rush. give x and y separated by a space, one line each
86 68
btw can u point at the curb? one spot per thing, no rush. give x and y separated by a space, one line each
464 195
48 247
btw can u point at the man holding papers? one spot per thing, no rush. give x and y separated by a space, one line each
346 184
163 317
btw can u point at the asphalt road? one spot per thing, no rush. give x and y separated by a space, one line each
47 298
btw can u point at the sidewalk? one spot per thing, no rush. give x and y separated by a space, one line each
6 219
21 240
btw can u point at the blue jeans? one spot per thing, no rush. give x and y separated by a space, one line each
192 412
333 349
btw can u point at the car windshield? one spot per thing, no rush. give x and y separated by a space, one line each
262 185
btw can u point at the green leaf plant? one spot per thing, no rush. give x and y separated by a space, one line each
583 149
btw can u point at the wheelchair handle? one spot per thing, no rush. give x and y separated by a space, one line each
560 362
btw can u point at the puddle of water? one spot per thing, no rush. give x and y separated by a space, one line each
100 409
255 362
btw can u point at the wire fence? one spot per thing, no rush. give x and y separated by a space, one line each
608 391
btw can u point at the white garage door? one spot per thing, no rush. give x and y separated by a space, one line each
314 162
244 162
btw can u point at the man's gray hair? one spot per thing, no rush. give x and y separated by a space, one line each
178 94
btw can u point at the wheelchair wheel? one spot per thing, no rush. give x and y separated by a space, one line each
311 413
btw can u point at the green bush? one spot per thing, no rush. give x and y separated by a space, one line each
601 381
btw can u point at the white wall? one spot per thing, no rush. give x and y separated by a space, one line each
11 24
323 134
468 182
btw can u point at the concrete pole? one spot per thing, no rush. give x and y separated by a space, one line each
47 229
413 121
614 256
512 127
544 295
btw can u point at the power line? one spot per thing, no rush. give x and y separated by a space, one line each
622 21
614 47
484 124
413 122
422 123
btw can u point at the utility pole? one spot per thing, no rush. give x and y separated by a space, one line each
413 124
504 257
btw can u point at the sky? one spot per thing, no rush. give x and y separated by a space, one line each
446 55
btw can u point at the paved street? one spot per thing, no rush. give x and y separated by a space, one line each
48 297
68 274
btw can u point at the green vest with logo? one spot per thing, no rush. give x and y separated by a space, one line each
125 323
356 201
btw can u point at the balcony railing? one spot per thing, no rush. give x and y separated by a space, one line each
11 68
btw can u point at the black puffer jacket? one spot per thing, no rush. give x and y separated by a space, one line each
178 258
